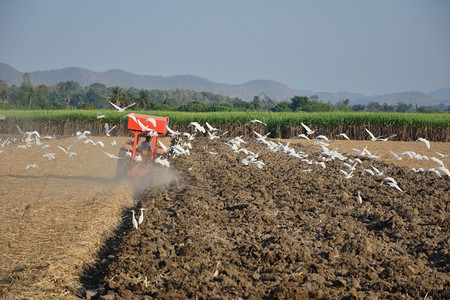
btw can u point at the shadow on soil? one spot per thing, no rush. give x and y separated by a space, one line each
93 277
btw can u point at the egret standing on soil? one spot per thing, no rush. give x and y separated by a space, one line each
141 217
133 220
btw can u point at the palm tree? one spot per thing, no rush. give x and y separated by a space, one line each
118 96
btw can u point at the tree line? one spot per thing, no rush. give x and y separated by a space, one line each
70 95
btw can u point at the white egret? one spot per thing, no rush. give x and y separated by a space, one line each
347 175
151 120
308 130
379 173
108 130
424 141
141 217
121 109
255 121
197 127
398 157
111 155
133 220
442 155
303 136
210 128
359 198
343 135
368 171
162 161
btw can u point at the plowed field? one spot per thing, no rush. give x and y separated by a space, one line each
219 229
287 230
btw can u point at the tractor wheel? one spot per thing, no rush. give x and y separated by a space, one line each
123 164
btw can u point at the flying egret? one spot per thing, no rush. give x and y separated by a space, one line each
386 138
164 147
111 155
108 130
63 149
347 175
31 166
171 132
121 109
379 173
151 120
398 157
372 137
20 147
322 137
100 116
308 130
255 121
210 128
162 161
392 183
5 142
343 135
444 169
49 156
197 127
368 171
189 136
424 141
302 136
133 220
351 167
143 127
442 155
434 171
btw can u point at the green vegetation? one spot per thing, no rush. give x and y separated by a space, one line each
70 95
408 126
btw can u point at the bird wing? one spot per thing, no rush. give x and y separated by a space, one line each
111 155
129 105
164 147
143 127
393 153
371 134
151 120
115 106
306 127
65 151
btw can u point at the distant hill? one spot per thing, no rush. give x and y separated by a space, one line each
443 93
84 77
415 98
245 91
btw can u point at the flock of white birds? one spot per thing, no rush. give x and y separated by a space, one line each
183 146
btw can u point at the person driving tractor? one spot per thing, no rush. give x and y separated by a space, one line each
145 146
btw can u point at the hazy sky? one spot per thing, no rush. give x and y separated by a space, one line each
369 47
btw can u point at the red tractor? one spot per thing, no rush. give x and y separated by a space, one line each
137 159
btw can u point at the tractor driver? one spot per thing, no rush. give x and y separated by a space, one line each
145 146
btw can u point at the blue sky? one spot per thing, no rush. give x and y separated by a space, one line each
368 47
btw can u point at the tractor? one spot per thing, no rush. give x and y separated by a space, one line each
136 160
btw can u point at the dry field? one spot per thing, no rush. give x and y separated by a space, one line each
222 229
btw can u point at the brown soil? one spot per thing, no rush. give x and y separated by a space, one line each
55 218
289 230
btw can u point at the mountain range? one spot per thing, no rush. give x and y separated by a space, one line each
246 91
